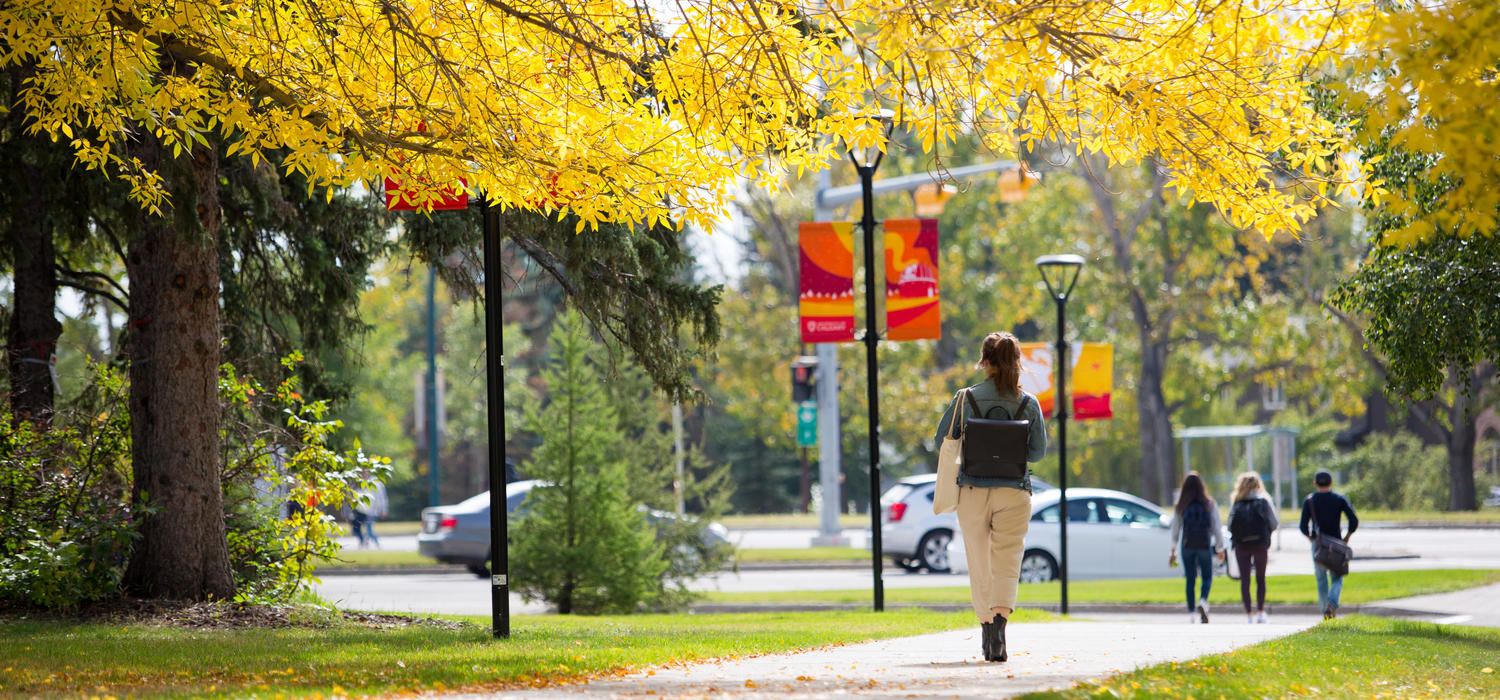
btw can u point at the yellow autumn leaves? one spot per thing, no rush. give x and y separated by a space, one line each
623 111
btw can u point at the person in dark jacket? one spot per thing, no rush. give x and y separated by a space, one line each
1321 513
1197 532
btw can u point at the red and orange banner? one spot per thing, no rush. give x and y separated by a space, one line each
1089 383
826 296
911 280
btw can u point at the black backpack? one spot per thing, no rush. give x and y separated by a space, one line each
995 448
1247 522
1195 526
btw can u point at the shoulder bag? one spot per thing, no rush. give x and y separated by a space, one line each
945 495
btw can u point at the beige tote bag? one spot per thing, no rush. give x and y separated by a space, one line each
945 496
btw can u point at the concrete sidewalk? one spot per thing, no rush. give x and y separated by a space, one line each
1473 606
1044 655
948 664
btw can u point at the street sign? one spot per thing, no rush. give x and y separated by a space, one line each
807 424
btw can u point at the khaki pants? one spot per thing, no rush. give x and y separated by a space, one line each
994 522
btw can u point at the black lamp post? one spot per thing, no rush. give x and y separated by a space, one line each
494 355
1060 273
866 160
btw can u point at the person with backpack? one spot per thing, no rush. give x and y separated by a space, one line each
995 418
1196 531
1321 512
1252 519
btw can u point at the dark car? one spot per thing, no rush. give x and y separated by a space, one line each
460 533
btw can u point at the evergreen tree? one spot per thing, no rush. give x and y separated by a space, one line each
581 545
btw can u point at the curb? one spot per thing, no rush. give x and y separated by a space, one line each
1073 609
1430 525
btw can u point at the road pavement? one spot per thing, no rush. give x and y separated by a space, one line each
461 593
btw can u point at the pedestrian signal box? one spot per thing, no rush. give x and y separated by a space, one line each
804 379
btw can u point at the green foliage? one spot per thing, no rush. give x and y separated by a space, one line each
270 467
644 419
582 544
65 523
293 262
1393 472
1431 307
628 281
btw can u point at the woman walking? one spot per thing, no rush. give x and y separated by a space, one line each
1252 519
993 513
1195 530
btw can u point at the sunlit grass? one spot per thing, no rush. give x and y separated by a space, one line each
60 659
1355 657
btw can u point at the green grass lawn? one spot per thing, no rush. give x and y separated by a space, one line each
803 554
1358 656
1359 587
790 521
377 558
62 659
397 527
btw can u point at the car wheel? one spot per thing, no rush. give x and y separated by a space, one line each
932 551
480 570
1037 567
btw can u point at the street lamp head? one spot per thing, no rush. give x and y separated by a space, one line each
1060 273
869 155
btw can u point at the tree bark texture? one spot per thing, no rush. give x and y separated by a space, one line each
34 328
174 405
1158 459
1461 435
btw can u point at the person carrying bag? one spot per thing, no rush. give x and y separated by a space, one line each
988 434
1321 515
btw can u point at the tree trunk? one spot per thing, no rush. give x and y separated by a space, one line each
34 328
174 405
1158 460
1461 442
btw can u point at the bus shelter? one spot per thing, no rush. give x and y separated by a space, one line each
1283 451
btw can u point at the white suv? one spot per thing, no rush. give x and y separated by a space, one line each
911 535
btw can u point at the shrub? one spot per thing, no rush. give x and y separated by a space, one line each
65 527
1394 472
66 524
280 480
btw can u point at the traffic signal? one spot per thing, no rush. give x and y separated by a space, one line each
804 379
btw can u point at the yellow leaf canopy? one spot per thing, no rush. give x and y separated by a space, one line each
622 111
